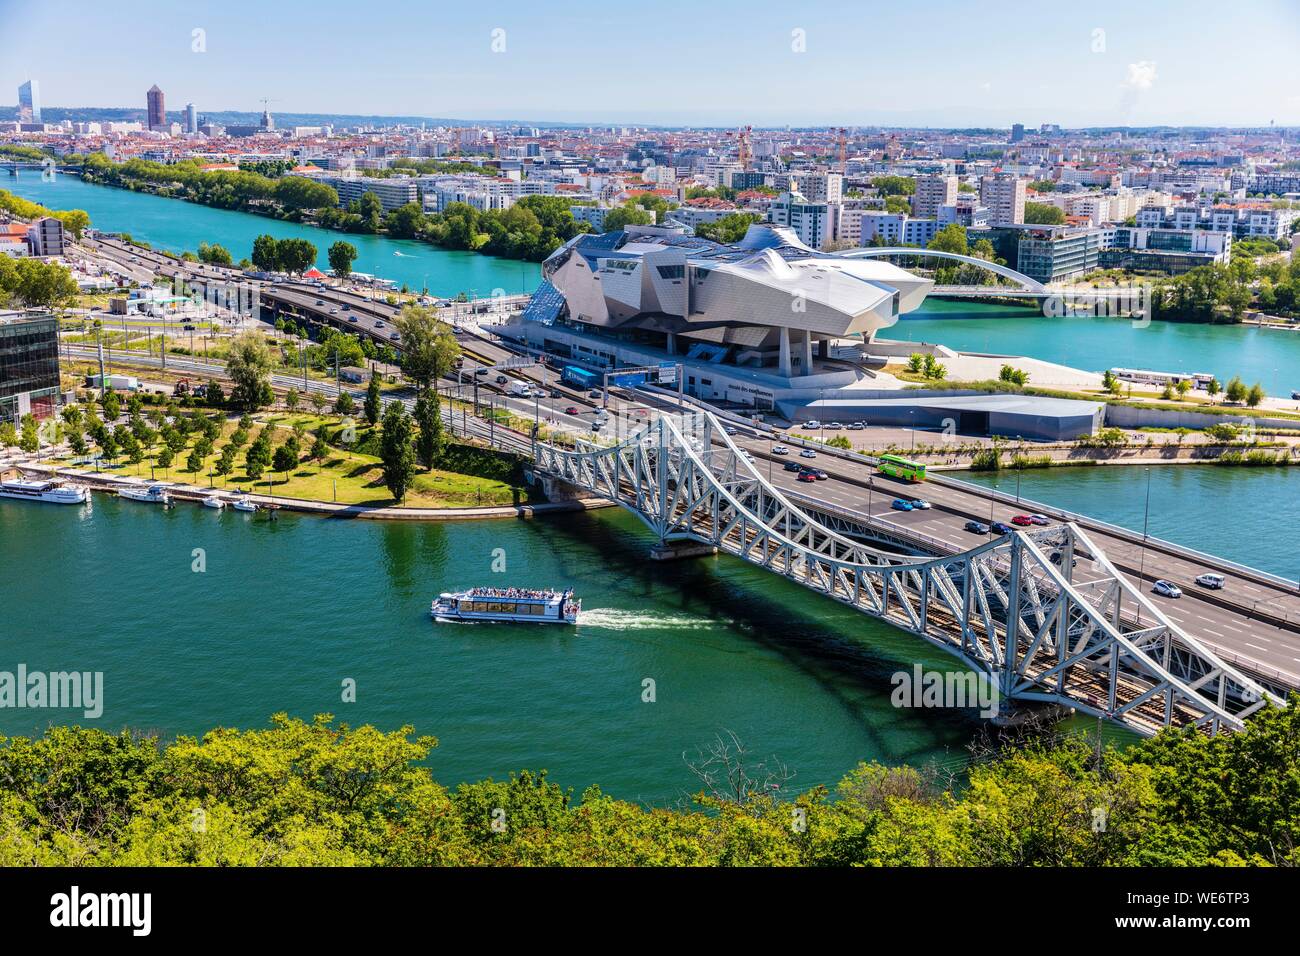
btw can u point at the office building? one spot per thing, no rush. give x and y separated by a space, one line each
191 118
1017 132
392 193
1167 251
1052 253
157 109
1004 195
29 102
29 365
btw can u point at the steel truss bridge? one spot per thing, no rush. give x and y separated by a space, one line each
1009 608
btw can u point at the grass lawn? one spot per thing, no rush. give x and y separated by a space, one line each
344 476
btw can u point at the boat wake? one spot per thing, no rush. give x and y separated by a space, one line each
615 619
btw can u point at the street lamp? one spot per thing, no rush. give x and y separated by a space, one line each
1142 563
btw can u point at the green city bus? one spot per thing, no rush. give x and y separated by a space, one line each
898 467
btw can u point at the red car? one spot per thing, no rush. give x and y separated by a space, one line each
805 476
572 410
1022 520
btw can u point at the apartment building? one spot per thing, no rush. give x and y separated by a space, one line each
933 192
813 222
1004 195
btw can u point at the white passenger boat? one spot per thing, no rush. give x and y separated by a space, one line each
214 501
155 493
245 504
527 605
54 492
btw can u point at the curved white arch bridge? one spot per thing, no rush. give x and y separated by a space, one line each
1009 608
1027 283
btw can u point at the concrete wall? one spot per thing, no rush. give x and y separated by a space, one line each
1124 416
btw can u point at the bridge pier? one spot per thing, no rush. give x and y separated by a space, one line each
1014 713
678 550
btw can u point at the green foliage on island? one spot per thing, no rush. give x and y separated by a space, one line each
318 794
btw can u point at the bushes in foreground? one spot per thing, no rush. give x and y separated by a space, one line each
317 793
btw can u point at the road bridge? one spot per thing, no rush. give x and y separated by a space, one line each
1005 607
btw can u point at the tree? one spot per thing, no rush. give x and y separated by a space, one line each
374 401
1213 388
1236 391
341 256
165 457
1254 396
214 395
296 255
266 253
291 399
951 238
1014 375
370 208
30 440
628 215
75 221
428 418
320 446
226 463
214 254
39 284
429 346
345 404
8 435
1038 213
112 405
396 453
318 402
285 460
249 367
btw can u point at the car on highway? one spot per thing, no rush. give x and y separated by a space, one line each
999 527
334 311
976 527
780 450
352 318
812 423
501 379
1214 582
1055 558
572 410
793 466
556 393
746 455
594 393
1039 519
900 504
378 324
320 301
479 372
1166 589
857 426
394 336
807 453
729 429
920 504
1023 520
817 473
805 476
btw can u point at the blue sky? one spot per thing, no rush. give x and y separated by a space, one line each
942 63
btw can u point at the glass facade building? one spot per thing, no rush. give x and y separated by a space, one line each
29 366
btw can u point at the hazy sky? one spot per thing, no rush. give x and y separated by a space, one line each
941 62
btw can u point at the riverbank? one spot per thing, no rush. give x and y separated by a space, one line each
172 225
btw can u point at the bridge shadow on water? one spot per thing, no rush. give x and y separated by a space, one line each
850 656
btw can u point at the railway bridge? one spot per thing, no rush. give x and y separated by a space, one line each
1010 608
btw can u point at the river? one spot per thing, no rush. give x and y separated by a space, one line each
1268 356
1248 515
173 225
286 611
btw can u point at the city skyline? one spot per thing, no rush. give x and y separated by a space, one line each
1111 66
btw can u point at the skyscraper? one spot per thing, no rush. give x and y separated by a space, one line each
29 102
191 118
1017 132
157 109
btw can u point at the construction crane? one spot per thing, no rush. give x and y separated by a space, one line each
744 150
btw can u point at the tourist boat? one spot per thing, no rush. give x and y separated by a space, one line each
155 493
54 492
245 504
214 501
526 605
